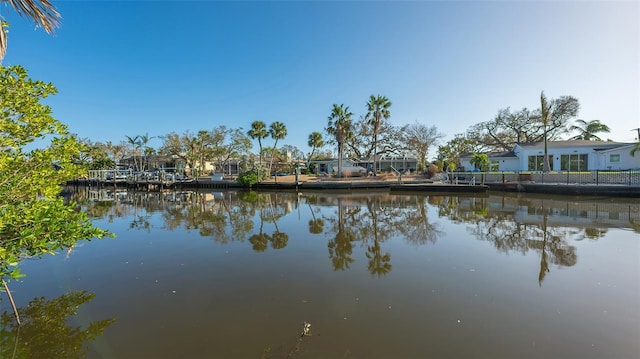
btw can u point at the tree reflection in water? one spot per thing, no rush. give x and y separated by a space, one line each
511 222
508 234
414 223
45 331
316 225
269 209
593 233
340 247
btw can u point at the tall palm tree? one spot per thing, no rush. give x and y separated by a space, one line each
378 111
135 143
315 141
42 12
553 117
258 131
278 131
545 117
144 144
340 127
588 130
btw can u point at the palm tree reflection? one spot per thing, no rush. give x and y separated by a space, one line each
316 225
379 264
369 220
340 247
553 245
272 210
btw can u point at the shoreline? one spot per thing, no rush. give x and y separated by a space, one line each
384 183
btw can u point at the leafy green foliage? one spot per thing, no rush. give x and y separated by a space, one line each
480 161
450 152
588 130
248 178
38 155
102 163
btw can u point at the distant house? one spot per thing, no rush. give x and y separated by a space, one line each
563 156
385 163
329 165
402 164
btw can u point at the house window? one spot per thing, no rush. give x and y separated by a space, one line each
574 162
536 163
614 158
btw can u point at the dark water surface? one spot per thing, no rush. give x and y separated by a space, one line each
377 275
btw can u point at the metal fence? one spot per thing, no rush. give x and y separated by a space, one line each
598 177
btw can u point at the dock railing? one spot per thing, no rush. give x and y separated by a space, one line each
596 177
128 176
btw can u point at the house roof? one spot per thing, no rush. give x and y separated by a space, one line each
595 145
628 145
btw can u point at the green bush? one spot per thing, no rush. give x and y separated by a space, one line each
248 179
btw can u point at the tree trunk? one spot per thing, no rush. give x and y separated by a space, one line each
13 304
340 146
375 152
546 167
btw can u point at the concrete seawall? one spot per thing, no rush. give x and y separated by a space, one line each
568 189
407 186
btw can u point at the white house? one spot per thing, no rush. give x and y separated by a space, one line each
618 158
576 155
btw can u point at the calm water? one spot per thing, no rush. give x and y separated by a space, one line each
377 275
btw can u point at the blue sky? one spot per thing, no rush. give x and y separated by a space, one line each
136 67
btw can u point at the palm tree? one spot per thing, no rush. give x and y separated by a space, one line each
258 131
588 130
340 127
553 116
378 110
278 131
144 143
135 143
545 117
42 12
315 141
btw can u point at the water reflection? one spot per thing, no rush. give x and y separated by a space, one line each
46 331
237 274
350 221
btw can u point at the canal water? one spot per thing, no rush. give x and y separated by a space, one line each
336 275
